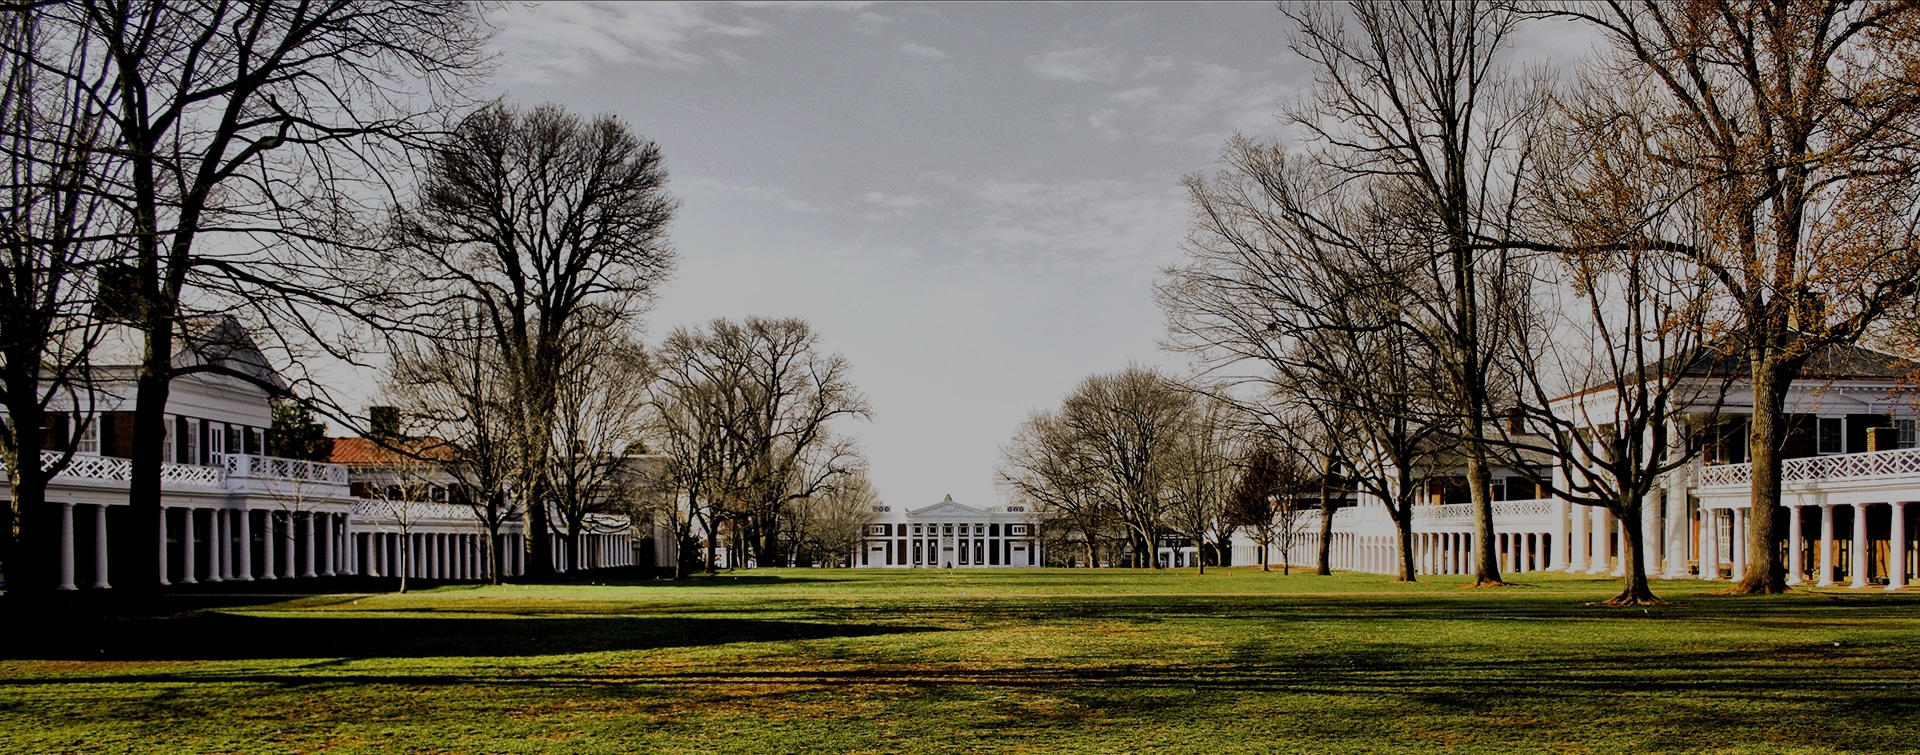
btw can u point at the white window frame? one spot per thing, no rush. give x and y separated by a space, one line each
86 438
1903 433
1839 436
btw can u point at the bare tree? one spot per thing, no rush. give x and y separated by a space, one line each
1202 475
543 226
237 123
452 384
58 231
755 402
1418 93
600 419
1122 430
1304 274
1794 123
832 524
1041 470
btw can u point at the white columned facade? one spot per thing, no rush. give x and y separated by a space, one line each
1652 547
100 547
1826 545
1796 551
266 545
66 548
1858 562
1897 545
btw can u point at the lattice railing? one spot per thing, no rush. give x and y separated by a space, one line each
85 467
411 511
1529 507
1839 466
1448 513
277 468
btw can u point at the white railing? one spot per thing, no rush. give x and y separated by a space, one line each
1446 513
1528 507
411 511
277 468
111 469
1838 466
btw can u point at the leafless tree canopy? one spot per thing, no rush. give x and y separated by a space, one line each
548 231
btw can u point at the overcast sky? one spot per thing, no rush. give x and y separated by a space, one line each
969 201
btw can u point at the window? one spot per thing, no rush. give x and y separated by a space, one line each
916 530
88 441
1832 435
193 442
878 530
1016 530
166 444
946 530
1903 433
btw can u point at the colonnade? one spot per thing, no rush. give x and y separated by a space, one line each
291 544
215 544
1722 539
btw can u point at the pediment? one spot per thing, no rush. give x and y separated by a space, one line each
946 508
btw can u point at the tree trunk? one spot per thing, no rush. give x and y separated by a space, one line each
139 573
27 421
1634 590
1403 531
539 531
1326 532
1486 564
1765 575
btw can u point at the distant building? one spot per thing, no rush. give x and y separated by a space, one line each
952 535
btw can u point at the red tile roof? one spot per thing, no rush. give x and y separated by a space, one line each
365 452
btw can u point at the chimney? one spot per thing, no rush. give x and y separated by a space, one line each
383 422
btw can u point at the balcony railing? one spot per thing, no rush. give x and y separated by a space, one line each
410 511
111 469
230 466
277 468
1463 512
1838 466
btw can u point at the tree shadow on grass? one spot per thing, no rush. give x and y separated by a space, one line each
220 636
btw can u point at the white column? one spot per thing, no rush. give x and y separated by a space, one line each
289 546
246 545
100 547
324 538
1826 545
1897 545
216 545
1710 544
1579 543
1859 546
1677 539
1739 544
66 547
1652 546
188 566
1597 556
163 546
1796 552
307 539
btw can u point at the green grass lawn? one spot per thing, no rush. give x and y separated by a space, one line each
777 661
